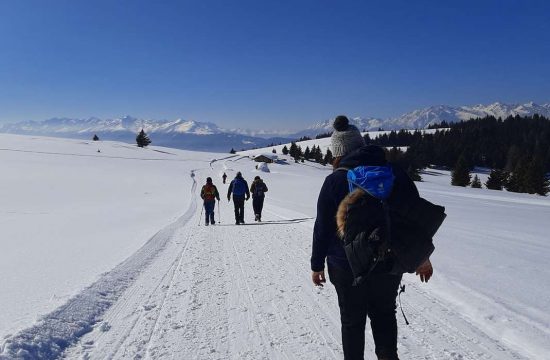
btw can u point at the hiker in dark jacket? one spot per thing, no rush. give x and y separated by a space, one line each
224 176
375 297
209 194
258 190
239 188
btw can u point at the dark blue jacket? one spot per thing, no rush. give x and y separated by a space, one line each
238 187
326 243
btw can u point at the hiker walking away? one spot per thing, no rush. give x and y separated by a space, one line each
239 188
258 190
375 296
209 194
224 176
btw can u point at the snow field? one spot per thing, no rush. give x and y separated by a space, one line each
244 292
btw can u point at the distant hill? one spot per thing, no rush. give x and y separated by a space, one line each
179 133
207 136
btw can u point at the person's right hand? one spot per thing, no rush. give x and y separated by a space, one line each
229 198
318 278
425 271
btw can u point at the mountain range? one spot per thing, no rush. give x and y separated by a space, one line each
421 119
207 136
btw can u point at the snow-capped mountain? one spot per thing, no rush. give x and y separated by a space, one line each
420 119
179 133
325 126
194 135
126 123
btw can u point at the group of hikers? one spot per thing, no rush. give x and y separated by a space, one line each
371 227
238 189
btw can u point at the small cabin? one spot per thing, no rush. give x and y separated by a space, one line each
266 158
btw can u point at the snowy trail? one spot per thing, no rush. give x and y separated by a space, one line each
222 292
244 292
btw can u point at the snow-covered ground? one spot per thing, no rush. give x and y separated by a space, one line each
103 255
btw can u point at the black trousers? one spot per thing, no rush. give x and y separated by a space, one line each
375 298
238 203
258 204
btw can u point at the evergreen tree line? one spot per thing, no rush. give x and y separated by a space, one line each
516 148
394 138
313 154
528 177
488 142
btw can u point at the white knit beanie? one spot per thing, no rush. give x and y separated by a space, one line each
345 137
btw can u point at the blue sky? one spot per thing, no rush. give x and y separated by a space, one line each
267 64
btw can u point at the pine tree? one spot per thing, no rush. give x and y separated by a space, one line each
232 151
285 150
318 155
95 138
476 183
293 150
307 153
299 152
535 181
460 175
516 181
328 157
513 157
142 139
367 139
497 179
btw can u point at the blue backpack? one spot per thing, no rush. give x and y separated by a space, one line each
239 186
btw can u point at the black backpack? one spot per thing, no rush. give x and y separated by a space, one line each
366 234
391 236
259 189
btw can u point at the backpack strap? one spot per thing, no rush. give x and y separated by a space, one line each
386 208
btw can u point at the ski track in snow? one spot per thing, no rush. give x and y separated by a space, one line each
234 292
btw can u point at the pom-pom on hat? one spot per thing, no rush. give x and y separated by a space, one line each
345 138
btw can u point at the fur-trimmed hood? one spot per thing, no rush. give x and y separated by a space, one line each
342 213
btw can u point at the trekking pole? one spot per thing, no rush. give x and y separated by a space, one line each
200 217
219 216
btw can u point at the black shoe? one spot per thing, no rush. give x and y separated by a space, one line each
206 224
257 217
242 221
237 222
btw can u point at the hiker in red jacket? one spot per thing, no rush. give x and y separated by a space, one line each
209 193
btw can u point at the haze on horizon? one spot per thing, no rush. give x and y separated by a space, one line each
271 65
